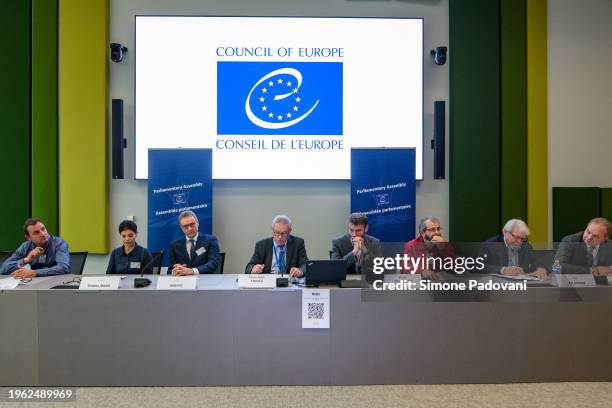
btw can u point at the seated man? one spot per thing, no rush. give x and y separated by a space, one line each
510 253
196 253
357 248
429 250
587 251
40 255
282 253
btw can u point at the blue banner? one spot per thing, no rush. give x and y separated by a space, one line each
272 98
383 187
179 180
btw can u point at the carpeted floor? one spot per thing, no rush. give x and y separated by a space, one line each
556 395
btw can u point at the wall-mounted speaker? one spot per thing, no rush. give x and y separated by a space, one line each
118 142
439 139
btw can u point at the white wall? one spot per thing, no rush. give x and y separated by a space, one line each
579 93
242 210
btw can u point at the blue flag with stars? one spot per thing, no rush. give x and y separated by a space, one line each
279 98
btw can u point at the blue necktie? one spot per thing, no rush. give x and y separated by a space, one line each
281 259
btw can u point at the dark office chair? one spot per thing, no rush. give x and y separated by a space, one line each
157 261
221 262
4 255
545 257
78 262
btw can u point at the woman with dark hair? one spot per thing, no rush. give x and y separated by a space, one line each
129 258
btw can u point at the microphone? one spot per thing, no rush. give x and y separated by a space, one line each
282 282
143 282
142 269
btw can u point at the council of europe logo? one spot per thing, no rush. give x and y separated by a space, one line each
179 198
382 199
259 98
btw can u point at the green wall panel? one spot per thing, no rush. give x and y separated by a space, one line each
15 26
44 113
513 110
537 120
474 58
82 111
606 203
573 207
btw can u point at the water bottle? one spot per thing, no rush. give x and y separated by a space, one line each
556 268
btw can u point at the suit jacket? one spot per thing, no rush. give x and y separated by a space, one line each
573 256
341 248
495 254
206 262
295 257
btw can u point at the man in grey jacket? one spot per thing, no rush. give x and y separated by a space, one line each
356 247
587 251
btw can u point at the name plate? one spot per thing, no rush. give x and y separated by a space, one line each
402 277
8 283
257 281
177 282
99 283
574 280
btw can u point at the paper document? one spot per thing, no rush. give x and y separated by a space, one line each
9 283
516 277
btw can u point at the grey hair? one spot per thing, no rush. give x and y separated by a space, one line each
425 219
188 213
604 222
517 224
281 219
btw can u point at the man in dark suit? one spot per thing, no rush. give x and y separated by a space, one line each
357 248
588 251
196 253
510 253
282 253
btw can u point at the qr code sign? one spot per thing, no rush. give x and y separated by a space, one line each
316 310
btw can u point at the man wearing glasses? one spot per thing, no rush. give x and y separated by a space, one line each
510 253
282 253
587 251
357 248
195 253
41 254
431 247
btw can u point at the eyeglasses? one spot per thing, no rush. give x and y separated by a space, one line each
280 234
25 280
74 280
434 229
187 226
517 237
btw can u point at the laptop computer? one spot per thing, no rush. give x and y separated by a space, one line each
327 271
